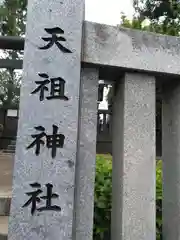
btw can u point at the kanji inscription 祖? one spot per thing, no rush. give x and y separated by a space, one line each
56 89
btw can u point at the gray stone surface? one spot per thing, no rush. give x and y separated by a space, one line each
30 168
171 161
86 156
133 49
133 210
126 48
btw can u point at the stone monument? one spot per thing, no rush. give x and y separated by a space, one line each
45 160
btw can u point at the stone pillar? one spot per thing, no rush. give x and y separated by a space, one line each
86 155
171 161
46 149
133 203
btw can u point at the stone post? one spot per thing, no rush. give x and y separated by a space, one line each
86 156
171 160
133 203
44 171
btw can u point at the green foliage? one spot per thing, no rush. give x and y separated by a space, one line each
153 26
12 23
13 17
154 9
9 89
103 196
164 16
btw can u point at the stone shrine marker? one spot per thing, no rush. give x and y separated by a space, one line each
44 171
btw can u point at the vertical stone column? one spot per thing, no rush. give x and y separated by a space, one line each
133 203
171 161
44 172
86 156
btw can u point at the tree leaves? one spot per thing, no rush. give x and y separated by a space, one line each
9 89
12 22
13 17
164 16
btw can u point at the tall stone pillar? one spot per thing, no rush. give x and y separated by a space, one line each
46 151
86 155
171 161
133 203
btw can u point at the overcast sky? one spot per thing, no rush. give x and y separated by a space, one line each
107 11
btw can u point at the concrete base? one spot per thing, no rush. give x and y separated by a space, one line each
6 169
3 228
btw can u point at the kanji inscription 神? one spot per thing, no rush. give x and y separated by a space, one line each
52 141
